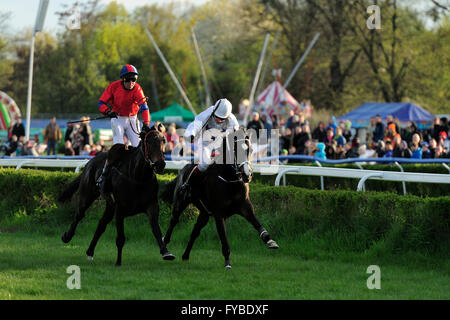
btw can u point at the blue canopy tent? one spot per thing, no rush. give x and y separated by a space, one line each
403 111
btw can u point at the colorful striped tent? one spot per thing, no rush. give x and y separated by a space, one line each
9 111
276 99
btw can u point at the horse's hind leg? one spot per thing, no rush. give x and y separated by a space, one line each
120 239
177 209
84 203
202 220
248 212
220 224
153 214
108 215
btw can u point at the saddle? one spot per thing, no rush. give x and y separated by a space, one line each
118 152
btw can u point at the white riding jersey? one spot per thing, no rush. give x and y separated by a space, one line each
229 125
207 131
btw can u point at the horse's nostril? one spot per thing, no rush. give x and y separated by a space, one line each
160 165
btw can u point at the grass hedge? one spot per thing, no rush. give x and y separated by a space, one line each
348 219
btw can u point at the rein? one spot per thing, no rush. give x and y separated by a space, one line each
145 153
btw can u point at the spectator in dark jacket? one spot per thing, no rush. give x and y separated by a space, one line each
69 130
319 133
18 129
426 153
286 139
266 125
300 138
255 124
378 133
11 146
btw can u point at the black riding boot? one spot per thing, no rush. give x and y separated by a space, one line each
101 181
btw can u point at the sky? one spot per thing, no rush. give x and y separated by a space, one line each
23 12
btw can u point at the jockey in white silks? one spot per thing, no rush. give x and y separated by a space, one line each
207 129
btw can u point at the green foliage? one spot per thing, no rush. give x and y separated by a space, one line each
358 221
402 223
74 67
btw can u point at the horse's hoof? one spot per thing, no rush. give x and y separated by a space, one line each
90 258
228 267
185 257
65 238
168 256
272 244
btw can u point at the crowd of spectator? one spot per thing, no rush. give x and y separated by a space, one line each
78 140
337 140
327 140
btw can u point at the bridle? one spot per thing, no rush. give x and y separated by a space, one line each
145 153
238 167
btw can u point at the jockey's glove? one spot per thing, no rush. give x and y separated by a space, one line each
111 114
145 127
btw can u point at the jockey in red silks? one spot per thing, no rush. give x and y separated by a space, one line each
126 98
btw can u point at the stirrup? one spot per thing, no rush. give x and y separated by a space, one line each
99 181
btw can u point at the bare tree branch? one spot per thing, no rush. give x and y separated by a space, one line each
437 4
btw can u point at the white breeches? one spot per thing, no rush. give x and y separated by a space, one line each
125 126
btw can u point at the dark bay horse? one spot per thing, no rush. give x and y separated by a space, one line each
222 192
133 186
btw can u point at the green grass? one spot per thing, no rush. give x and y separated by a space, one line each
33 263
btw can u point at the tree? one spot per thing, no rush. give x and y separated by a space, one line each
5 70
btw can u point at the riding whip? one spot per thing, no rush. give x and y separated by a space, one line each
98 118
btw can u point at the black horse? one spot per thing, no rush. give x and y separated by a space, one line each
222 192
133 186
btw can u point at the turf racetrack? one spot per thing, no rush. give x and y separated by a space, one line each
34 261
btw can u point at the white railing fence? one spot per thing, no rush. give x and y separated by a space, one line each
264 169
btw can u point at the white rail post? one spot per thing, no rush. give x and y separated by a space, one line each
403 182
363 180
322 186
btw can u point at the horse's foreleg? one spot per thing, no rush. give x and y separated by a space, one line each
108 215
220 224
120 239
248 212
202 220
153 214
177 210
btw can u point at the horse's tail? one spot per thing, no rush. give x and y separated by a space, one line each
70 189
168 191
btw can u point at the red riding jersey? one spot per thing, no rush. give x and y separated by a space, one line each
124 102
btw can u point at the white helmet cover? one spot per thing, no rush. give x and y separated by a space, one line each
223 108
